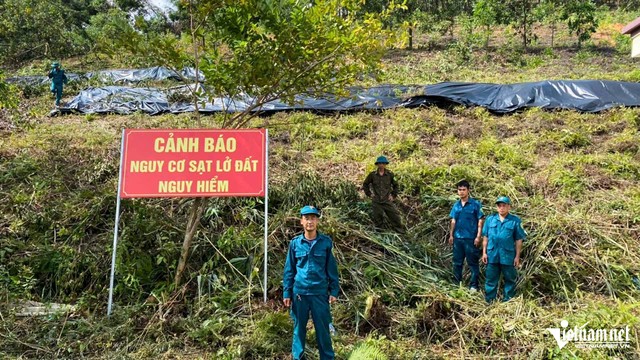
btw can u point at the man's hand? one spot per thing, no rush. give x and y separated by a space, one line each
392 198
484 258
332 299
516 262
451 239
287 302
477 242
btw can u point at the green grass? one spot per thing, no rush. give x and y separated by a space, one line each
574 180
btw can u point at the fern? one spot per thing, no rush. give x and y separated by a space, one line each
367 351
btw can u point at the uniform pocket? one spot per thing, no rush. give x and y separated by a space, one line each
493 230
320 258
301 258
509 247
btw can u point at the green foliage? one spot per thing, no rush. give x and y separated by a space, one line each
469 40
271 337
273 49
367 351
104 29
487 13
574 140
51 28
213 330
8 98
309 188
26 28
573 179
581 18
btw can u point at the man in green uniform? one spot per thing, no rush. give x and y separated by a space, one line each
310 283
381 186
465 234
501 246
58 80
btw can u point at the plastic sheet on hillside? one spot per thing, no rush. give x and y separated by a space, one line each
127 100
35 80
119 100
116 76
157 73
582 95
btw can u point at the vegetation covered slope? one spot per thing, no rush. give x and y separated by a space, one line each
573 179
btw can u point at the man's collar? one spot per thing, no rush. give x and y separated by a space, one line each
468 200
303 238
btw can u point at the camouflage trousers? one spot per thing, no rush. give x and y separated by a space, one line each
380 209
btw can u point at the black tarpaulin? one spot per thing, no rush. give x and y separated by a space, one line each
116 76
580 95
119 100
126 100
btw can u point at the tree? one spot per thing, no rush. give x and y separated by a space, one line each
581 18
269 49
486 13
549 12
520 14
29 28
45 28
104 30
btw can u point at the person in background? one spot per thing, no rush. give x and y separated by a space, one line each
380 185
58 80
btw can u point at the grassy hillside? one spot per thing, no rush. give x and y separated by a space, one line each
574 179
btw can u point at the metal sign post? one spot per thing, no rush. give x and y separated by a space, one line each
192 163
115 230
266 211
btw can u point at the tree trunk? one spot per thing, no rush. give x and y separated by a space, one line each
488 34
410 37
192 225
197 207
525 10
196 59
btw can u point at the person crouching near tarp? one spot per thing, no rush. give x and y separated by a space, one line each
310 284
58 80
501 246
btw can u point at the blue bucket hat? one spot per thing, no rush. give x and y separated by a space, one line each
503 199
381 160
308 210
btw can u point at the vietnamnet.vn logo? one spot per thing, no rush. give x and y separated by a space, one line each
590 338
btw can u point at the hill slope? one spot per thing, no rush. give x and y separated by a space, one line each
573 178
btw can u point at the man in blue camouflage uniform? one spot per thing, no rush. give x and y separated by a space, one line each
58 80
310 284
502 243
465 234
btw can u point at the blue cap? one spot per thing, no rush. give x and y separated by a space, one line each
308 210
503 199
382 160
